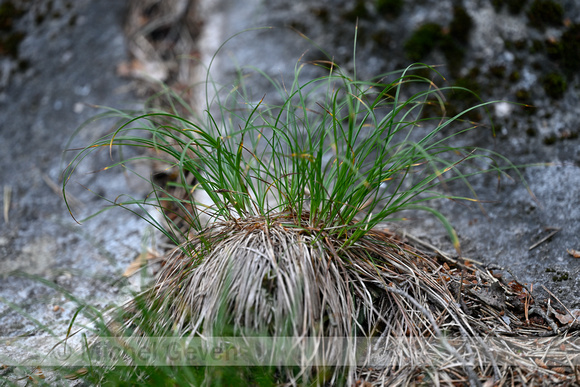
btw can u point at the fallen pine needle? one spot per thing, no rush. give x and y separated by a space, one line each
556 230
7 197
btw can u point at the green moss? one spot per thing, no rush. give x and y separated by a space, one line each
544 13
554 85
520 44
9 39
454 54
23 65
554 49
497 4
514 6
358 12
568 135
39 19
390 8
8 12
466 95
453 44
431 36
423 41
382 38
9 44
571 48
531 132
523 96
497 71
515 76
537 46
321 13
461 25
550 140
560 276
72 21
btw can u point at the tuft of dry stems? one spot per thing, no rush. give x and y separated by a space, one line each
280 277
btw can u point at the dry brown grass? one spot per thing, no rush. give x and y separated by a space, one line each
286 279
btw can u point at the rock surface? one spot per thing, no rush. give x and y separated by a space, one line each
70 51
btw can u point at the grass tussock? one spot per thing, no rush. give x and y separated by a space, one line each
289 241
264 278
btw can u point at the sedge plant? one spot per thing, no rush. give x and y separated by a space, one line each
339 154
274 205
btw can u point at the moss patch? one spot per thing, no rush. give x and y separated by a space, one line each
554 85
9 39
423 41
524 96
571 48
8 12
514 76
390 8
9 44
461 25
543 13
513 6
359 11
466 94
452 44
497 71
558 276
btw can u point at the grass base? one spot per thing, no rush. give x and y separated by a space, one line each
281 278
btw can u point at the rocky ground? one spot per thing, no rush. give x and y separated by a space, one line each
67 57
65 63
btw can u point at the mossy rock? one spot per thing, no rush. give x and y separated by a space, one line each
461 25
453 44
514 76
359 11
554 49
571 48
514 6
423 41
390 8
8 12
9 44
524 96
454 53
544 13
497 71
554 85
469 95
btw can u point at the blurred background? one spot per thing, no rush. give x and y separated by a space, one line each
63 60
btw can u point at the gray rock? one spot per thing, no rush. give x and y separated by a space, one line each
71 49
